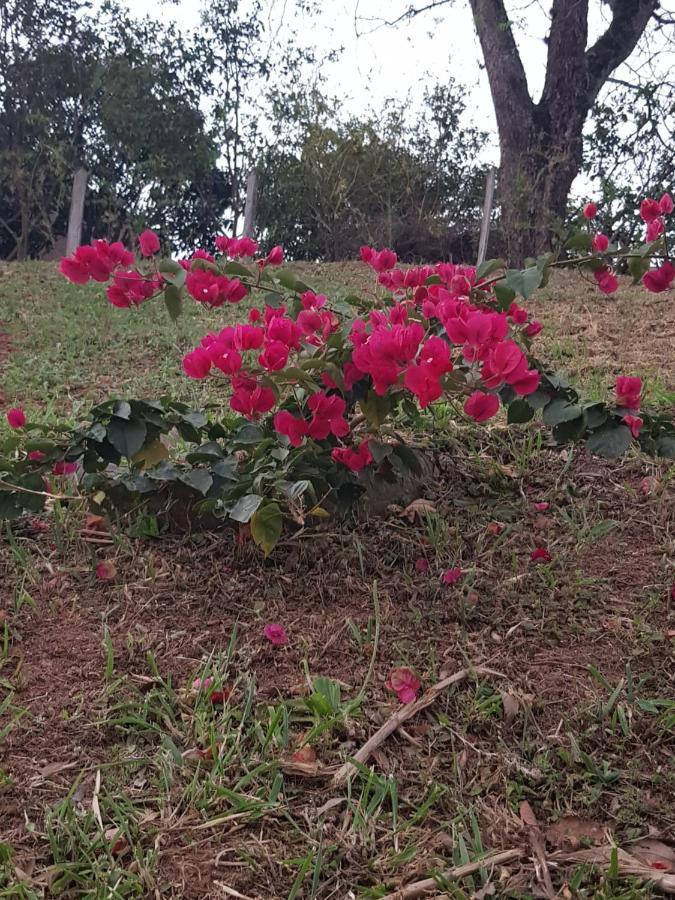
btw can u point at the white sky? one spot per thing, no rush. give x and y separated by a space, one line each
382 63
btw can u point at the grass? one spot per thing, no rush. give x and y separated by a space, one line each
119 780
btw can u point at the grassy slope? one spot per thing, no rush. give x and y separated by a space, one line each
579 722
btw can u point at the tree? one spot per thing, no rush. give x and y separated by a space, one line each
330 184
541 143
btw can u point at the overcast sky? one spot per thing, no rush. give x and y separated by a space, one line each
379 62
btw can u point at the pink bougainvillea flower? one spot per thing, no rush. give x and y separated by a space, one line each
275 634
36 455
600 242
480 406
452 576
130 288
214 290
380 262
655 229
274 258
635 423
606 279
659 279
149 243
328 416
666 204
294 429
355 460
533 329
628 390
650 210
202 684
236 248
197 363
517 314
96 261
249 398
404 683
16 417
540 554
542 506
274 356
421 564
64 468
105 570
590 211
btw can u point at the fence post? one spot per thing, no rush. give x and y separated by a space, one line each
487 212
74 237
251 199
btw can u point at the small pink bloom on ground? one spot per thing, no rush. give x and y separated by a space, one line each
105 570
36 456
404 683
541 554
421 565
542 506
202 684
220 696
16 417
451 576
275 634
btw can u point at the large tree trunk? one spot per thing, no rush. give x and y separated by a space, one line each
541 144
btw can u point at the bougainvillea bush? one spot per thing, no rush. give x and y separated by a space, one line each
323 393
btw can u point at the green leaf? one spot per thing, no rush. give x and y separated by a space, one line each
610 441
287 279
127 435
665 446
198 479
637 268
408 458
121 409
595 415
375 408
173 301
244 508
519 412
559 410
571 430
524 281
172 272
206 452
226 468
504 294
236 268
380 450
266 527
488 267
579 241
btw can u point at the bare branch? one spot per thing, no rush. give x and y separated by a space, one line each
629 20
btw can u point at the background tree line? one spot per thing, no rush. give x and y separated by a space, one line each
168 123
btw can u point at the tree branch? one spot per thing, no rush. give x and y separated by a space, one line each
629 20
508 83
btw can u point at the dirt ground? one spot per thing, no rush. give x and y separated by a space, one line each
117 781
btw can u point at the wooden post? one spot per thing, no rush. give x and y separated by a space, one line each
76 210
251 199
487 212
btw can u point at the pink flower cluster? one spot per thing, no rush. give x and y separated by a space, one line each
652 213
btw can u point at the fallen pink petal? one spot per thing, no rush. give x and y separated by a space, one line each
540 554
452 576
421 565
404 683
275 634
542 506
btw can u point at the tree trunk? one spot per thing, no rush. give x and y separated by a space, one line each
541 144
